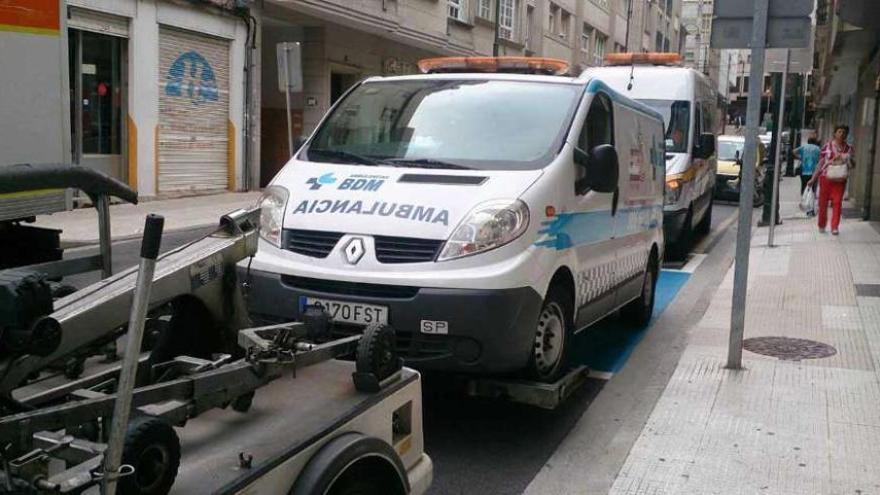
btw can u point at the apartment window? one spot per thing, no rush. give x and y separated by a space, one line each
530 16
458 9
669 7
689 56
586 34
554 13
564 23
507 19
484 9
666 44
658 42
599 49
746 84
768 84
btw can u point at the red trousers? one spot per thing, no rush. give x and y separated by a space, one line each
832 190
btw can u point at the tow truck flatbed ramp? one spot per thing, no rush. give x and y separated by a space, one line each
289 420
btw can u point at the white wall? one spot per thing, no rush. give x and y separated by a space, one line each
145 16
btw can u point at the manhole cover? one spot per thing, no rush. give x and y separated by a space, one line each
789 349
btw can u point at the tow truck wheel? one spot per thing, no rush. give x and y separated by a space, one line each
153 449
552 336
375 351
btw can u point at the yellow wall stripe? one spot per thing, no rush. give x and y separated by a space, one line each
132 154
35 192
156 158
230 157
29 30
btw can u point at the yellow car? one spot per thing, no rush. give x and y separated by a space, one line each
729 155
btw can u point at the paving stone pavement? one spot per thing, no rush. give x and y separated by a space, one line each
776 426
80 226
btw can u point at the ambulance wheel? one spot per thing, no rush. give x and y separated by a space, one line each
375 351
639 311
153 450
553 336
679 249
705 224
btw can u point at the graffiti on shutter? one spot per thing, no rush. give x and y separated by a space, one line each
193 112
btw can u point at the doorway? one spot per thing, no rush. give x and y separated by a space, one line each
340 82
97 101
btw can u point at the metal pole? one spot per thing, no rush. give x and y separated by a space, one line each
747 187
495 45
287 98
128 372
102 204
869 180
774 209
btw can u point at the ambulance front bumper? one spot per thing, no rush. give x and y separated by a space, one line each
488 331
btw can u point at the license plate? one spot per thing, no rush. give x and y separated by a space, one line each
348 312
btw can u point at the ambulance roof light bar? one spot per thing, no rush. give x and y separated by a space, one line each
649 58
517 65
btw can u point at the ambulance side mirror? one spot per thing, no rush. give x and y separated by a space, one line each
601 171
707 145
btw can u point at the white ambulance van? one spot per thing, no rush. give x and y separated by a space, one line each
689 106
487 210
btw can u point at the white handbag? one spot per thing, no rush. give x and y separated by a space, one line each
838 169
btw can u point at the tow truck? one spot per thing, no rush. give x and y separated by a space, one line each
300 422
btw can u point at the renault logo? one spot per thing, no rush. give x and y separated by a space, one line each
354 250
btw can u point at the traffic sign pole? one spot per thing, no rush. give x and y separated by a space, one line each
747 185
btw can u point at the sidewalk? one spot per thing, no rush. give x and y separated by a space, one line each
80 226
779 426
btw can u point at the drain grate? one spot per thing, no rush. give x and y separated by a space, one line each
789 349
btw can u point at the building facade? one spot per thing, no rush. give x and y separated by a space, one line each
344 41
655 26
156 93
846 88
696 20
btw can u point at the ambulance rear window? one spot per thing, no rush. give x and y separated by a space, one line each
443 123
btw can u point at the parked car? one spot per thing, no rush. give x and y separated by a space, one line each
730 159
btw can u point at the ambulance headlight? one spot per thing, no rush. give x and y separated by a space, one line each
272 204
673 191
488 226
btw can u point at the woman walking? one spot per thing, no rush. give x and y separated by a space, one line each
835 162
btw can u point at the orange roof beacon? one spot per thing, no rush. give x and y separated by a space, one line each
516 65
647 58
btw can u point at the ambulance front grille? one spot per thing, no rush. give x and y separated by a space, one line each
406 249
314 243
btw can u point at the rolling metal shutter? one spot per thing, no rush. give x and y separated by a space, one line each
97 22
193 111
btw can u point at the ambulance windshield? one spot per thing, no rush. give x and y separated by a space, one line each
677 116
446 123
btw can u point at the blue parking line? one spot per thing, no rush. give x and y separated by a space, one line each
607 345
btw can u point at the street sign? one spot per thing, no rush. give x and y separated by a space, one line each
782 32
800 60
289 59
778 8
